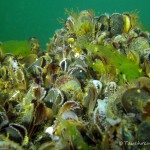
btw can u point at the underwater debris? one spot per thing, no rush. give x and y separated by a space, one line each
89 90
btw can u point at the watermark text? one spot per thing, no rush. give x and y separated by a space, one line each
134 143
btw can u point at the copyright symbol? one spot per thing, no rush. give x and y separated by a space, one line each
120 143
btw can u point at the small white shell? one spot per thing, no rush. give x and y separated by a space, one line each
50 131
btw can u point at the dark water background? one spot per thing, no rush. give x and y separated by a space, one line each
21 19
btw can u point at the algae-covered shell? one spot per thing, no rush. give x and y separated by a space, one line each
69 24
103 22
120 23
78 72
143 83
84 23
146 65
139 44
119 41
143 135
134 100
41 61
116 24
91 94
54 96
70 86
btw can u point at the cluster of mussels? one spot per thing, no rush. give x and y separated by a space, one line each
89 90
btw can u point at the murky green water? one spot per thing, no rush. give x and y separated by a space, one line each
21 19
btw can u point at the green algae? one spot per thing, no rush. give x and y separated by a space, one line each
106 58
74 134
16 47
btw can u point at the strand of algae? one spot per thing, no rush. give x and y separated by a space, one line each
113 59
74 133
16 47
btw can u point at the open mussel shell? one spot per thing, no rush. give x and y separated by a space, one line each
10 107
69 106
41 113
90 97
35 92
78 72
70 86
54 99
34 115
16 132
52 71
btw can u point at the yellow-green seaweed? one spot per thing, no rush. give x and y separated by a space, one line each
75 135
112 59
15 47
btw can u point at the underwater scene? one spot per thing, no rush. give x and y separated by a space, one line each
74 75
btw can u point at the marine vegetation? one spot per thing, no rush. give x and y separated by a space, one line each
16 47
89 90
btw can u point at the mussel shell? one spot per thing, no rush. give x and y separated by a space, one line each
16 132
134 100
78 73
116 24
103 22
54 99
68 84
139 44
143 83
